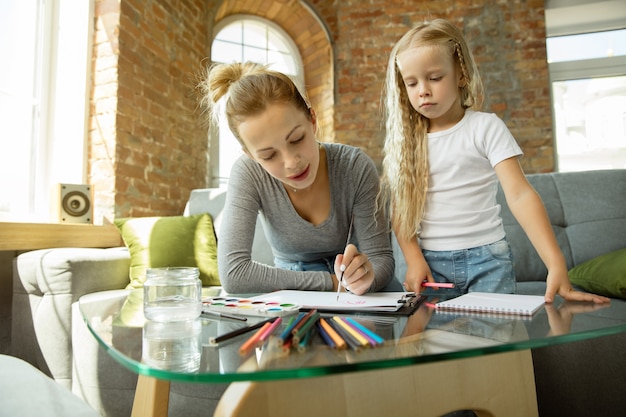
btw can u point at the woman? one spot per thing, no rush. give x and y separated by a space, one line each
313 197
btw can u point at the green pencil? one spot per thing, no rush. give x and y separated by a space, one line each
305 327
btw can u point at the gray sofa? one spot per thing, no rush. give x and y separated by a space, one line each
587 211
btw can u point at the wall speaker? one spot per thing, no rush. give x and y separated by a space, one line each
74 203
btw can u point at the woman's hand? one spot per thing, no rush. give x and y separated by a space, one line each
358 273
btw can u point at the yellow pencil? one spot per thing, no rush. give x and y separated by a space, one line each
362 341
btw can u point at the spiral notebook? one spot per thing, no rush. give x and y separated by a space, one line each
484 302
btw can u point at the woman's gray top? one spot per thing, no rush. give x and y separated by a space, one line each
354 186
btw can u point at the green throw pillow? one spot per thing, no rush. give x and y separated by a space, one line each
604 275
156 242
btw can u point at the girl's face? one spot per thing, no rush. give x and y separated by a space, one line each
433 80
282 139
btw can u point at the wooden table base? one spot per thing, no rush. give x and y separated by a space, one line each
500 384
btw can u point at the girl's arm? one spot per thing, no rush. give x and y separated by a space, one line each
417 268
528 209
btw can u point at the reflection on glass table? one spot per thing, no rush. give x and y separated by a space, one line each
181 350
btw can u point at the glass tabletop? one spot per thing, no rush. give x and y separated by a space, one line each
182 350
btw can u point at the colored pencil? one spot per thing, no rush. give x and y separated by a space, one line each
325 336
347 337
297 337
237 332
303 321
263 337
337 339
302 345
252 341
359 337
359 326
286 334
287 345
370 341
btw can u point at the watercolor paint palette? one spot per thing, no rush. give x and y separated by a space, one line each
249 307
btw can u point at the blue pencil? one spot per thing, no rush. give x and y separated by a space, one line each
329 341
368 332
286 334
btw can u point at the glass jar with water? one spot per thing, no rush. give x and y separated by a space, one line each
172 294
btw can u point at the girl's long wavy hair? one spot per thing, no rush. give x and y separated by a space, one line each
405 163
240 90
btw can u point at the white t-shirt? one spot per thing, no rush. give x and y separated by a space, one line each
461 208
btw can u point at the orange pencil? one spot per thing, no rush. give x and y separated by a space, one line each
250 343
339 342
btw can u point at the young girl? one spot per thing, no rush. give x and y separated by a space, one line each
312 196
441 167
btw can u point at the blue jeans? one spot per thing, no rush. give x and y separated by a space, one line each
326 264
487 268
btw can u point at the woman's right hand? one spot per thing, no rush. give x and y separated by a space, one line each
358 271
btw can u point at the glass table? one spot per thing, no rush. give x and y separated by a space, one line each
446 359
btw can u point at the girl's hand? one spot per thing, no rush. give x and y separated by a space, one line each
417 272
558 283
560 319
358 272
416 323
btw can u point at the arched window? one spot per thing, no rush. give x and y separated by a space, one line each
244 38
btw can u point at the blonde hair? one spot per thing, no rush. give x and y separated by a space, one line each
240 90
405 163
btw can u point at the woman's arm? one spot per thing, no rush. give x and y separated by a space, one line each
239 274
371 227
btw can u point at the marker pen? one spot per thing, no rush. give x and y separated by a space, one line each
438 284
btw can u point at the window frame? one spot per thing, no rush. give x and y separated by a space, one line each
61 90
215 177
564 18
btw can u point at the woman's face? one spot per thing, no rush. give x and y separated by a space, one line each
282 139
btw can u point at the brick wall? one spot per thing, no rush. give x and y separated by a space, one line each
148 140
507 38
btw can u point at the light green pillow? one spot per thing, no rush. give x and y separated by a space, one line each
604 275
156 242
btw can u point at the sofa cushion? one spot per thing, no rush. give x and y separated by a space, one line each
585 210
156 242
211 200
605 274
